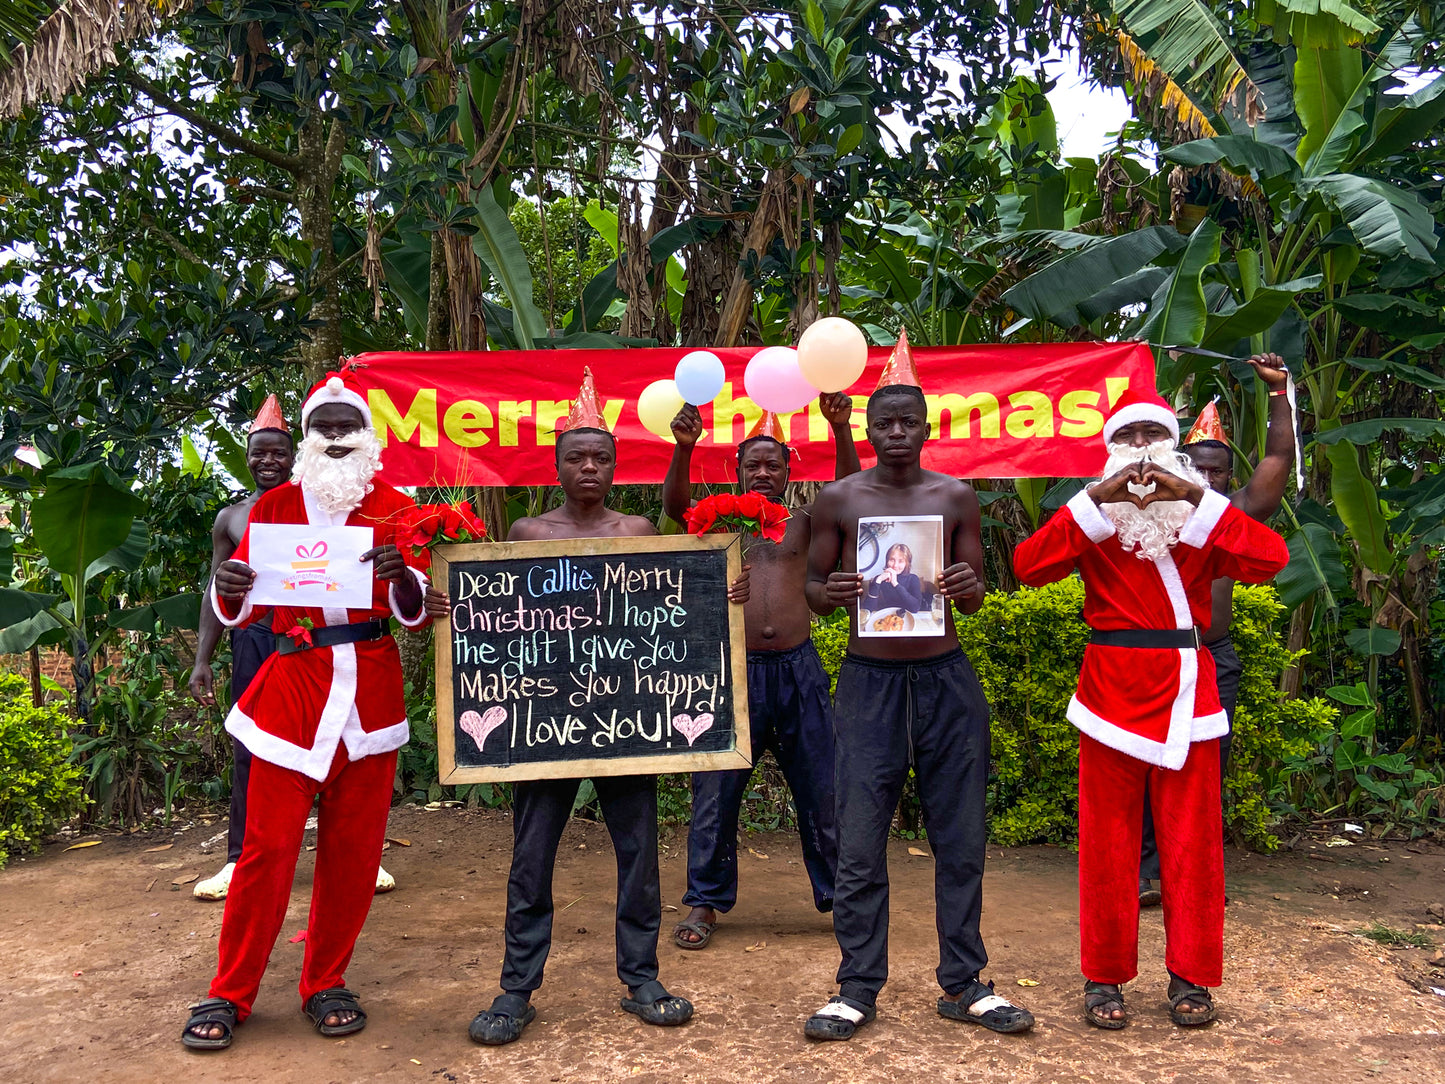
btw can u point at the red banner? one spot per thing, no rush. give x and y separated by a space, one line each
1016 411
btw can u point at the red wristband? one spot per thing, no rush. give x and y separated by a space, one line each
1282 391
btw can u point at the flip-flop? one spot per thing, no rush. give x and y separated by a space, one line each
980 1005
336 999
655 1005
503 1022
840 1019
213 1010
702 929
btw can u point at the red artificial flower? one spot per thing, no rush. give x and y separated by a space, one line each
701 518
300 632
428 525
773 521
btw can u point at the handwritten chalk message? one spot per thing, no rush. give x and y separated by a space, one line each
568 663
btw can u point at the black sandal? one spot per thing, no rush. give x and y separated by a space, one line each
1001 1015
211 1011
838 1020
655 1005
1190 992
337 999
702 929
503 1022
1100 995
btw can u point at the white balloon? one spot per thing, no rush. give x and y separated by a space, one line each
832 353
700 376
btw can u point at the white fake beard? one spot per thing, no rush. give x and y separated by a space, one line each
1152 531
338 485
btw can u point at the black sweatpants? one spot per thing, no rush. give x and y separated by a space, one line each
1227 669
929 714
250 647
540 811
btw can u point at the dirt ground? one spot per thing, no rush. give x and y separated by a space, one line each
100 954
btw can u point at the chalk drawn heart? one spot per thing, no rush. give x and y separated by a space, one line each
479 726
691 728
318 550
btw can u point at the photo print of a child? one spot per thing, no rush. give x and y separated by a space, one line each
900 558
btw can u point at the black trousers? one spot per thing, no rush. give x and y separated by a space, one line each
250 647
931 715
540 811
1227 669
790 713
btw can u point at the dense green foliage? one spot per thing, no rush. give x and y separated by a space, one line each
39 786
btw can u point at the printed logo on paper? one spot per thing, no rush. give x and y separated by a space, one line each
310 569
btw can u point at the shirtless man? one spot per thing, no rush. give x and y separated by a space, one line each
788 700
586 458
1259 498
905 702
270 456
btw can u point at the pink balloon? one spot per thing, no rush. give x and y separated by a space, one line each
774 381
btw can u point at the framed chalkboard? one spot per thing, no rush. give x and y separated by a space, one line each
592 656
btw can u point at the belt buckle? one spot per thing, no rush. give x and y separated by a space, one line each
1198 640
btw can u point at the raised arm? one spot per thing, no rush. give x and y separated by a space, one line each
837 410
677 485
1261 496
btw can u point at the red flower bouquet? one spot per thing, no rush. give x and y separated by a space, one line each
746 513
429 525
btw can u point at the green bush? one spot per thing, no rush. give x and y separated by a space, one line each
39 787
1027 646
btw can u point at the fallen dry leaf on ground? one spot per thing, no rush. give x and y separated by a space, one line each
186 880
398 842
754 948
918 852
756 854
87 843
162 847
1028 982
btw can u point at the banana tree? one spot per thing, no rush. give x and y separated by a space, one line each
83 525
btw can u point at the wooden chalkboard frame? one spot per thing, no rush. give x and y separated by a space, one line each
739 756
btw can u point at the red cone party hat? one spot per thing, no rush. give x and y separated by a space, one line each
900 368
1141 405
1207 426
586 412
770 426
269 417
337 387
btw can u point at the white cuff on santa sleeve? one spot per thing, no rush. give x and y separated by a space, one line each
215 601
1095 525
420 618
1202 521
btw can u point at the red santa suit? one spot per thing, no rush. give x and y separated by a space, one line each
323 722
1150 715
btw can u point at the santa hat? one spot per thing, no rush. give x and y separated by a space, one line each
1141 406
586 412
770 426
337 387
900 367
1207 426
269 417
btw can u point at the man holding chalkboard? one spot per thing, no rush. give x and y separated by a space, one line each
905 701
789 705
586 458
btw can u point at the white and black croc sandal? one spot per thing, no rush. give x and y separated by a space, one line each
839 1019
980 1005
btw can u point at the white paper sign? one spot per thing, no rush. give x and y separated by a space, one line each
299 565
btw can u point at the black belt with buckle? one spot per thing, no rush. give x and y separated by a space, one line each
1157 638
331 635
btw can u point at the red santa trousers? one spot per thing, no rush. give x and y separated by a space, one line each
1187 824
350 830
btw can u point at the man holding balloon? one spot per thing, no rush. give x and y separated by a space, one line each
789 703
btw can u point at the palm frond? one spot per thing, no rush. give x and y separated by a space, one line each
1190 45
60 50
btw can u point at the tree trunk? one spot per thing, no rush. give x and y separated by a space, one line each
438 311
1299 632
315 188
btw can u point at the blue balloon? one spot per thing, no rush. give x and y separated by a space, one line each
700 377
